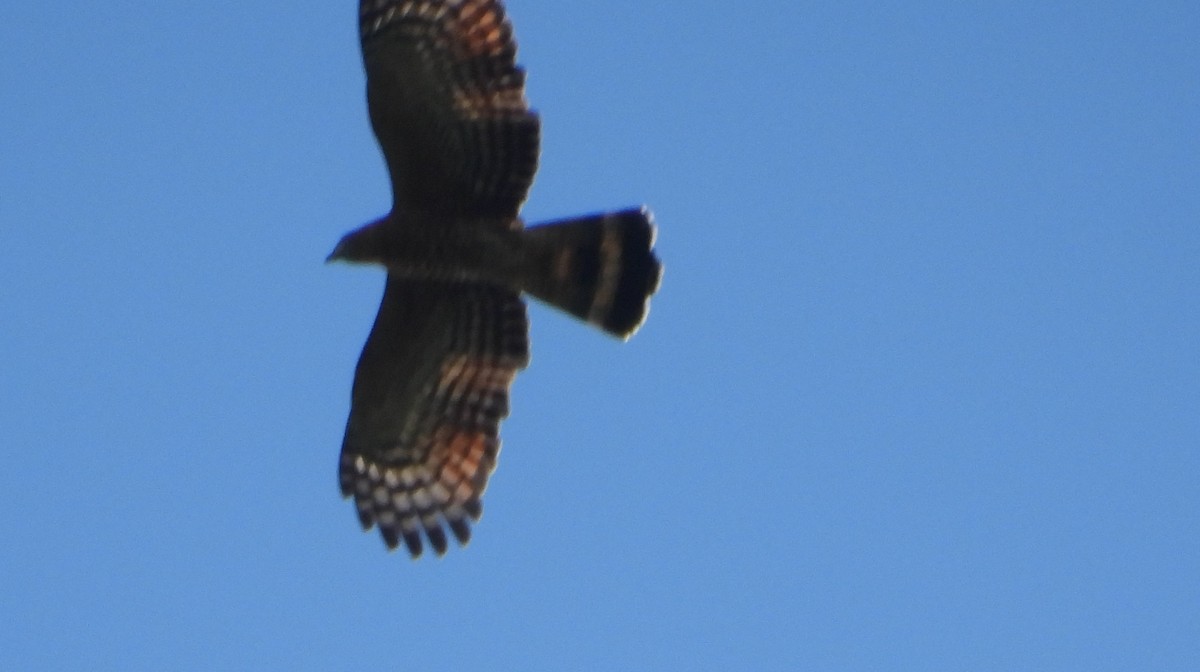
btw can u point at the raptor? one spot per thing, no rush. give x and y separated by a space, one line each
447 105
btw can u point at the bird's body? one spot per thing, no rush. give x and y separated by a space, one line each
447 104
420 245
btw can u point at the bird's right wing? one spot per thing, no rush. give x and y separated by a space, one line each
430 391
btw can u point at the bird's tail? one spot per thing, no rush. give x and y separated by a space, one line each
599 268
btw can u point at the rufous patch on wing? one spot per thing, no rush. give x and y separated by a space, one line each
482 30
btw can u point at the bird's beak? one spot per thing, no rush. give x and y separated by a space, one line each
337 253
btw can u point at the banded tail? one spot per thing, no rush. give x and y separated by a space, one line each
599 268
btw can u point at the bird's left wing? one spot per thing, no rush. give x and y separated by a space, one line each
447 103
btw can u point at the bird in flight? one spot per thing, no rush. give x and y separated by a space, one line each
447 104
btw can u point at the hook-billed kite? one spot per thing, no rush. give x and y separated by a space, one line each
447 104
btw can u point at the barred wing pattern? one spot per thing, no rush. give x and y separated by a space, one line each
447 103
430 391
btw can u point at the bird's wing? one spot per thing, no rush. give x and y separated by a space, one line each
430 391
447 103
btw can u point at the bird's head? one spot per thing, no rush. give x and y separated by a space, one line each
360 246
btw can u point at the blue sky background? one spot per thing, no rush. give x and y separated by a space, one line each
921 389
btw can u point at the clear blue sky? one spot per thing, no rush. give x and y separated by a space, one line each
921 389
